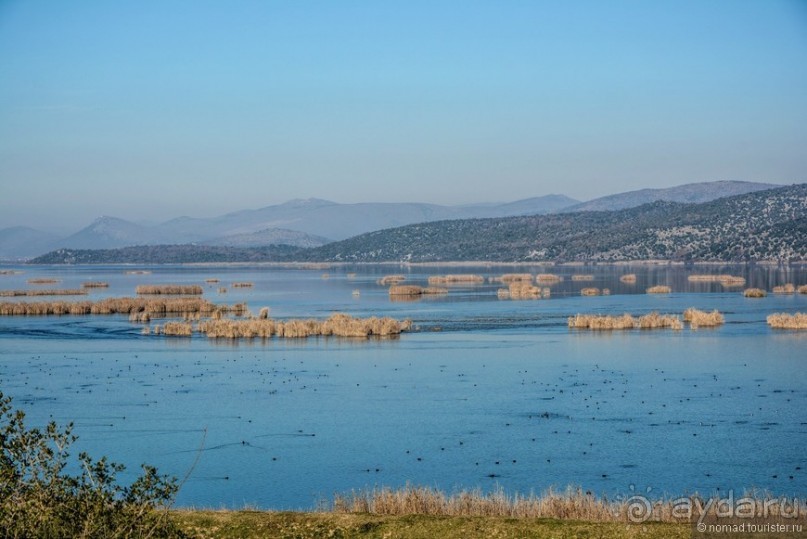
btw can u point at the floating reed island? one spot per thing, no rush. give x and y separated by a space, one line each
170 290
754 293
590 291
788 321
787 288
212 280
629 278
44 292
626 321
338 325
659 289
44 280
522 290
508 278
415 290
698 318
463 278
125 305
581 277
94 284
548 278
725 279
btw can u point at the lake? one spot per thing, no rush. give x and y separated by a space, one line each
484 393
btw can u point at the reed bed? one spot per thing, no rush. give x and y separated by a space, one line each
124 305
590 291
698 318
242 285
388 280
802 289
787 288
508 278
600 322
788 321
45 292
659 289
410 500
43 280
754 293
660 321
523 290
405 290
339 324
94 284
170 290
212 280
583 278
548 278
626 321
629 278
464 278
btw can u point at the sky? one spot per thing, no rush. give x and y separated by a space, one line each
152 109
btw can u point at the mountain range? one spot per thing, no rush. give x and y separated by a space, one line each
315 222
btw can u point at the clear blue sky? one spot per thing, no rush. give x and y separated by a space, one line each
148 110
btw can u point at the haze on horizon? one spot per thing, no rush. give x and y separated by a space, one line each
155 109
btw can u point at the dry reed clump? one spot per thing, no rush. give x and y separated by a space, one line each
802 289
43 280
585 278
754 293
263 314
152 306
340 325
177 329
659 289
788 321
590 291
698 318
724 279
242 285
784 289
138 272
508 278
523 290
574 504
464 278
94 284
405 290
212 280
598 322
140 317
170 290
629 278
503 293
9 272
387 280
222 290
656 321
548 278
434 291
48 292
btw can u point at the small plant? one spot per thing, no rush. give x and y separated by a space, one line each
38 499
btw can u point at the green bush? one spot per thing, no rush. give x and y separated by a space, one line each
38 498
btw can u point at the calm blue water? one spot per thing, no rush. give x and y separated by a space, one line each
486 393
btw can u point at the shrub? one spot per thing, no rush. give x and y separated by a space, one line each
38 499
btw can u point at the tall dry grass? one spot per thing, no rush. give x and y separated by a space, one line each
464 278
138 272
754 293
405 290
590 291
601 322
787 288
659 289
242 285
582 278
628 278
660 321
170 290
46 292
698 318
802 289
523 290
788 321
387 280
548 278
212 280
9 272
